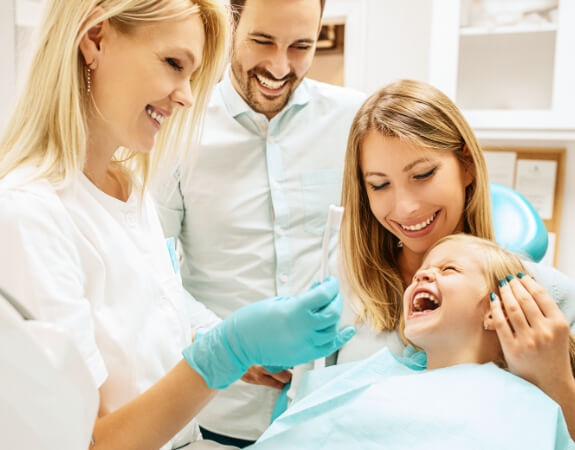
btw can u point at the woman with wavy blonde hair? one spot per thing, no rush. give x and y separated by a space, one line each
415 173
82 246
418 114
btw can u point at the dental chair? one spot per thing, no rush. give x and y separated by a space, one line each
518 227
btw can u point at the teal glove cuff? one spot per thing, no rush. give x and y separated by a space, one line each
211 356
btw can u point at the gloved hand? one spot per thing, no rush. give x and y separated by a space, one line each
280 332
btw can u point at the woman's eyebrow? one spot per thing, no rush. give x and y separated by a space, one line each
411 165
407 168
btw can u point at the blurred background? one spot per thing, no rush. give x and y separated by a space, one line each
509 64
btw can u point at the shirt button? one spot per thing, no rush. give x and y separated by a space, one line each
281 231
276 185
271 139
283 278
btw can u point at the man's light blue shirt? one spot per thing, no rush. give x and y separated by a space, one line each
251 206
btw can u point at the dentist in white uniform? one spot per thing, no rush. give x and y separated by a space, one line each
81 242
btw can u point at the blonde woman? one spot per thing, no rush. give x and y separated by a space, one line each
414 173
454 394
81 243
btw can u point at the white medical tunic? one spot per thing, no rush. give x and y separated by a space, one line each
250 209
100 269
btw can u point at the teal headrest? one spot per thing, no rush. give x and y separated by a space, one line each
518 227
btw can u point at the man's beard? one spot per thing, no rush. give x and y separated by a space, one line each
255 98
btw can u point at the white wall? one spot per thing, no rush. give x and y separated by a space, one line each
8 58
565 259
397 41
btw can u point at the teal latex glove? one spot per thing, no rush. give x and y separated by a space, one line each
278 332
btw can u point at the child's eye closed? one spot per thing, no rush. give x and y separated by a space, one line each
301 46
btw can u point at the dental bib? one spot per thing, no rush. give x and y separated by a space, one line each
393 403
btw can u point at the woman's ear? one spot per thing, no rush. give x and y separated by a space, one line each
468 166
90 43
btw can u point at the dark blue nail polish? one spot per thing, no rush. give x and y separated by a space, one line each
492 296
502 283
509 277
520 275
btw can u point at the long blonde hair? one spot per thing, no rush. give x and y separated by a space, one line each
48 128
421 114
496 262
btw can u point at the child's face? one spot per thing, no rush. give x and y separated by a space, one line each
448 297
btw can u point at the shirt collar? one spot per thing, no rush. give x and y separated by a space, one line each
236 105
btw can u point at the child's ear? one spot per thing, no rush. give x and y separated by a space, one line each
488 321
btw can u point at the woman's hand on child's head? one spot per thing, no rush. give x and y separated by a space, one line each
533 333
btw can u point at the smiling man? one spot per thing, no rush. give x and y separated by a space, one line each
250 209
273 50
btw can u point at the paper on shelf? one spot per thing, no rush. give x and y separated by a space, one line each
535 179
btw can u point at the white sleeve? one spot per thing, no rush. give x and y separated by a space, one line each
558 285
41 267
200 315
170 204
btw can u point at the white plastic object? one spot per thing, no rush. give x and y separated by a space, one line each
334 217
48 399
333 224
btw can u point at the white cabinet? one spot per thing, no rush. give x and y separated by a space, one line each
512 76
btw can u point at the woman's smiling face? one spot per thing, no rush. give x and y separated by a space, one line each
140 76
415 193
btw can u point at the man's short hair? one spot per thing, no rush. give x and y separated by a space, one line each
238 6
